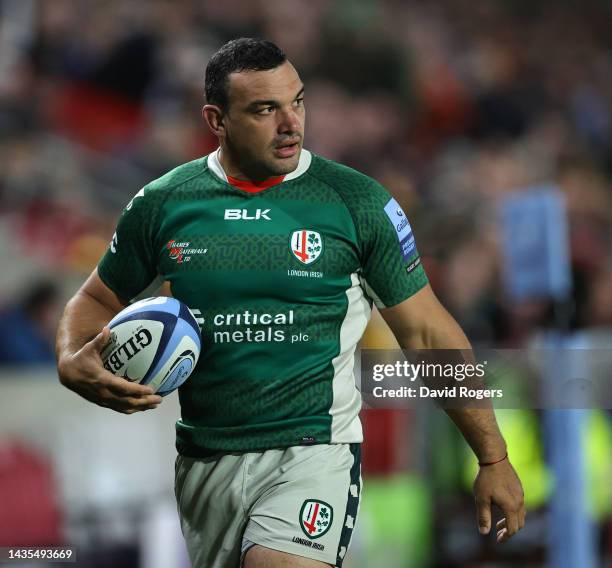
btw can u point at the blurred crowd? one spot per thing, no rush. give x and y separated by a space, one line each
450 104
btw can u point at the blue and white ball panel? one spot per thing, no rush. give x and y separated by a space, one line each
157 304
186 315
154 341
173 342
175 365
132 348
178 374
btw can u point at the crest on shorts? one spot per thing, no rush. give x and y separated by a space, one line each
306 245
315 518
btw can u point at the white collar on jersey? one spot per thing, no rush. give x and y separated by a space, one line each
305 159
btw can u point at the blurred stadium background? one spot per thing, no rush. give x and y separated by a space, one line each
452 105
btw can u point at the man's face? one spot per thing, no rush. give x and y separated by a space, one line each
264 122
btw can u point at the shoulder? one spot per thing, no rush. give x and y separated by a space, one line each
157 191
178 176
356 188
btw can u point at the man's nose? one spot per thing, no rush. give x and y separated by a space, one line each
289 121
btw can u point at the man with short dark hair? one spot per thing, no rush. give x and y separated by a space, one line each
291 252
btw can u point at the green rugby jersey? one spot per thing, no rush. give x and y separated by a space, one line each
282 283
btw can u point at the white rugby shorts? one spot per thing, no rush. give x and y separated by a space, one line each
301 500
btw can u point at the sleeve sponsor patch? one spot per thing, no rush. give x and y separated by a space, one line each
402 228
413 265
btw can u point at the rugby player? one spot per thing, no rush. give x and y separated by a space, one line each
281 254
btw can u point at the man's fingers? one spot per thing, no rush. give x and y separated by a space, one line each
132 410
503 531
127 405
122 387
500 485
505 525
100 341
512 522
89 379
483 511
123 395
141 403
522 514
502 535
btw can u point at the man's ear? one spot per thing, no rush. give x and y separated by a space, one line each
214 116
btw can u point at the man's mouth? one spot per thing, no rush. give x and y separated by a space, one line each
287 149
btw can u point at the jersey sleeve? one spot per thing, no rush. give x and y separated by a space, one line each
128 267
391 265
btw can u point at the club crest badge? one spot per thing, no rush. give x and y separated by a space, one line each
316 518
306 245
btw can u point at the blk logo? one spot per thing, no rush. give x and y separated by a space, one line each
113 244
244 215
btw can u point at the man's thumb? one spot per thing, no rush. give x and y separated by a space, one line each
484 517
100 340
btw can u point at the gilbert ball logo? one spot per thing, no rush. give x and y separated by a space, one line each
315 518
306 245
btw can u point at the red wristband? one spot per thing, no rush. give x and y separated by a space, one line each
484 464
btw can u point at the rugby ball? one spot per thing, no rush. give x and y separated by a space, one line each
154 342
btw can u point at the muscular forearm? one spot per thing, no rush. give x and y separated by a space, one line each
479 428
421 323
81 337
445 334
82 320
478 425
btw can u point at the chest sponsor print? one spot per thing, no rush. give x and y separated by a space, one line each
306 245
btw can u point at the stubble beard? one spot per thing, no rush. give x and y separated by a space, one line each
257 168
288 165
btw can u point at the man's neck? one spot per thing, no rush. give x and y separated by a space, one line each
215 165
234 171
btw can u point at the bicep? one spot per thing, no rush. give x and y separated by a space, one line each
422 322
129 265
96 289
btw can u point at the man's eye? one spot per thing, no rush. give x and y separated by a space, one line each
299 102
267 110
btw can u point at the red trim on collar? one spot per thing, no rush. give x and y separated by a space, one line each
252 187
